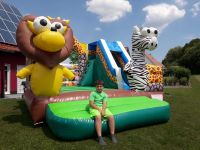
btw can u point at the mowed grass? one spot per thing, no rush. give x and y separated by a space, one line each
197 77
182 132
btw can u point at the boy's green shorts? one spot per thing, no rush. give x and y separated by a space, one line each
95 112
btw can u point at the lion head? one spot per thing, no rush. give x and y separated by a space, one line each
45 40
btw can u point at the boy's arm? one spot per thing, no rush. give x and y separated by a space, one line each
104 108
104 105
94 106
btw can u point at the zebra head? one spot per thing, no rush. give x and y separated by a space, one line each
144 38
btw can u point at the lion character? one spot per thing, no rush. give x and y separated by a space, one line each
48 42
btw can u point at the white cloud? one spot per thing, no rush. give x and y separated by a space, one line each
181 3
98 29
196 8
161 15
109 10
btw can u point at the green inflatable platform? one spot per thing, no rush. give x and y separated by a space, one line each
71 120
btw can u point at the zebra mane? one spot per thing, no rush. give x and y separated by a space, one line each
136 30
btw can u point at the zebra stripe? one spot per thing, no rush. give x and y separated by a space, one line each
135 69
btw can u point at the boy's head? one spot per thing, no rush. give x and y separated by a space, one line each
99 86
99 82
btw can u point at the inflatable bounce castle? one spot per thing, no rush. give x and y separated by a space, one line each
132 85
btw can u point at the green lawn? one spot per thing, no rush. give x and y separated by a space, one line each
181 132
197 77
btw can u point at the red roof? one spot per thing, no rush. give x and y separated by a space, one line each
9 47
153 60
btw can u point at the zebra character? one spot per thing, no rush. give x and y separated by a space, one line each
137 74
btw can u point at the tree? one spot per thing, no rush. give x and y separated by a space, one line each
187 56
172 57
191 57
73 57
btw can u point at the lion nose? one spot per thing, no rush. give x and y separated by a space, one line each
53 29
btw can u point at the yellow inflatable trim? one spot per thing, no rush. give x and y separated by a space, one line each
45 81
49 41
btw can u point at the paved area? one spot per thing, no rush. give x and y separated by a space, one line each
13 96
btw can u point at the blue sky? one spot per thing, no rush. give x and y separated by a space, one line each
177 20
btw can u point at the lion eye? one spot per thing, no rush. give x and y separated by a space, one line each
58 26
41 24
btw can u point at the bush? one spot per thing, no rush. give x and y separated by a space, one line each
170 81
181 72
183 81
178 72
167 72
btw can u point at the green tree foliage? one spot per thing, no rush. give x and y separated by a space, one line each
73 57
183 81
171 81
187 56
178 72
191 57
176 75
172 57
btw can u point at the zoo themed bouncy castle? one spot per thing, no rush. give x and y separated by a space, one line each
66 113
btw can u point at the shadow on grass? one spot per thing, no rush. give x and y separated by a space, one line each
49 134
47 131
20 114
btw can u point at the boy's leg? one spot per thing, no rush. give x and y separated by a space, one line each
111 123
98 125
99 129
